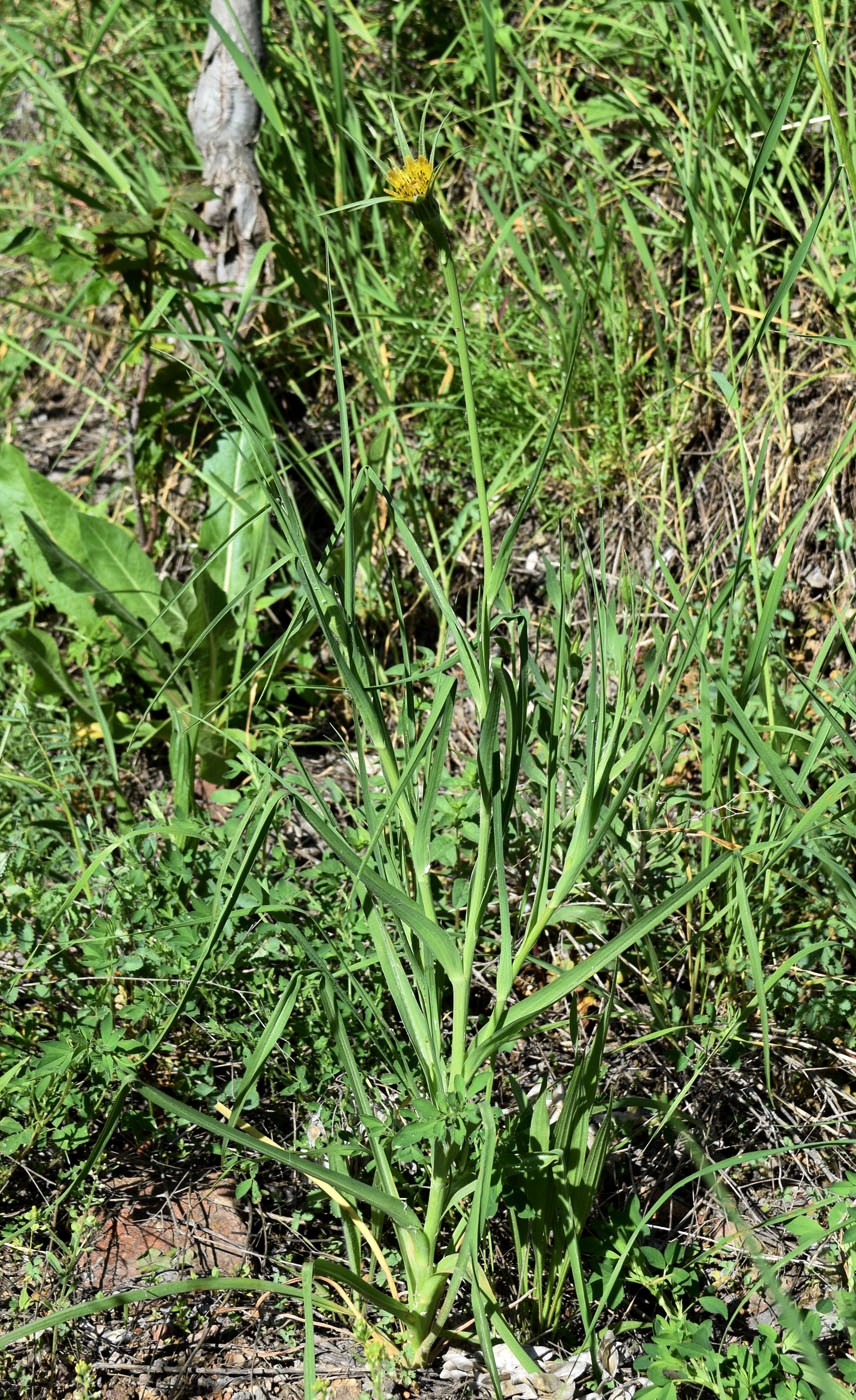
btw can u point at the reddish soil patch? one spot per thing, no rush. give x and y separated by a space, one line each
156 1237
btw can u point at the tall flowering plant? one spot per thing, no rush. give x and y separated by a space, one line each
416 1199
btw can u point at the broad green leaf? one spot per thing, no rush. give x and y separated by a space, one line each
23 490
87 565
236 529
126 572
40 651
208 639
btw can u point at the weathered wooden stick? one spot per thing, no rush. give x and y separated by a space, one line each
224 117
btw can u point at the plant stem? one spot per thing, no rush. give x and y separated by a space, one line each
460 1010
447 263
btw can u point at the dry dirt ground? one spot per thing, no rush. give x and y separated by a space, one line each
157 1222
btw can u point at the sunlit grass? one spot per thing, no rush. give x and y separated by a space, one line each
530 511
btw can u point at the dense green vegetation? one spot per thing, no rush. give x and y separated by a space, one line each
428 680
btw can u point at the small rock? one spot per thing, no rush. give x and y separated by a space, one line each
800 431
817 578
534 565
555 1380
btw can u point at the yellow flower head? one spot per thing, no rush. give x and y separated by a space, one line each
413 182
